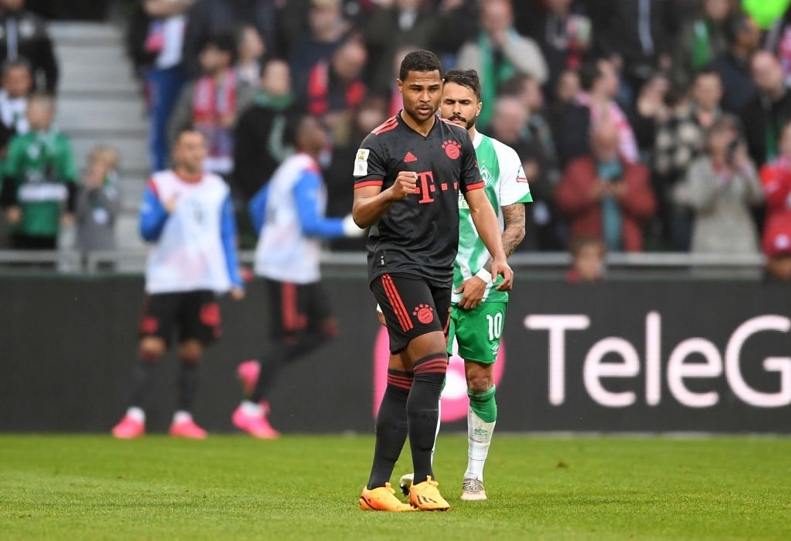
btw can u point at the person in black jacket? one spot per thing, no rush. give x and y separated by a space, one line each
765 115
24 34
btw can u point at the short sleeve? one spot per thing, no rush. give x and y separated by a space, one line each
369 163
514 187
470 174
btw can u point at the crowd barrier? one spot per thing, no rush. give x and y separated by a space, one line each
635 356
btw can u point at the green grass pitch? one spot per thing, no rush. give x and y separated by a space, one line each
306 487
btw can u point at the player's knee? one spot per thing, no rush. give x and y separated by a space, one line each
191 352
152 348
479 383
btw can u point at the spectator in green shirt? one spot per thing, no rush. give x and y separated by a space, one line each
39 180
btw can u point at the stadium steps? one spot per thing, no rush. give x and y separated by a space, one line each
99 101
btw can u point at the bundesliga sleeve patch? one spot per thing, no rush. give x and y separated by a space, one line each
361 162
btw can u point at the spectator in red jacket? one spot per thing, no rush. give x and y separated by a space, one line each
777 248
776 182
604 196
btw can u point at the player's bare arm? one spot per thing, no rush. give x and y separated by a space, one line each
371 202
488 228
473 289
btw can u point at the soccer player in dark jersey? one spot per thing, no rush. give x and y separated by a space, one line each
408 175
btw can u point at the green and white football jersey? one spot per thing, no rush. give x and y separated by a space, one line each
506 184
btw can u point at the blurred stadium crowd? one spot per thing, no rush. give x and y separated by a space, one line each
651 125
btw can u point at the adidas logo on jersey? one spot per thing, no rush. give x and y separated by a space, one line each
409 158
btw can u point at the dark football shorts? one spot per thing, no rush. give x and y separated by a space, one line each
297 308
412 307
196 314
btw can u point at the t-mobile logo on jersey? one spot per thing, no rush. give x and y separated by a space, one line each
454 403
426 186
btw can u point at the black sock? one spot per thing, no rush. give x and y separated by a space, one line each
188 384
391 427
271 364
423 411
143 379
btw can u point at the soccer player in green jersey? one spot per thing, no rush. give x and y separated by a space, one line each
478 309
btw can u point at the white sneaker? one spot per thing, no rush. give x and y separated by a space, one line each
472 490
405 482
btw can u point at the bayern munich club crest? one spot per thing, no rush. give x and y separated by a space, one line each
424 314
452 149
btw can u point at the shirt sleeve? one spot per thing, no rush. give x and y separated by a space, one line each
306 192
513 187
369 163
228 235
470 174
257 208
153 214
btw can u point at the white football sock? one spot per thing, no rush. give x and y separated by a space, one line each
137 414
479 438
181 416
252 409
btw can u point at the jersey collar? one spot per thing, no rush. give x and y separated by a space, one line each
477 139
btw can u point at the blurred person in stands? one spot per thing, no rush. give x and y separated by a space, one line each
595 103
764 117
25 36
187 215
701 40
680 139
498 52
605 196
540 163
637 37
733 65
39 180
288 212
564 33
776 182
98 203
335 87
395 100
587 261
454 22
156 41
208 18
777 250
370 114
327 27
17 85
251 52
723 184
778 42
211 104
260 145
392 25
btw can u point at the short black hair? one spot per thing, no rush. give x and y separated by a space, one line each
420 60
590 72
735 25
225 42
465 78
14 64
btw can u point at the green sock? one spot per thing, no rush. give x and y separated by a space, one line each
484 405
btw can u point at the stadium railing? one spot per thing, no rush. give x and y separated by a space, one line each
549 265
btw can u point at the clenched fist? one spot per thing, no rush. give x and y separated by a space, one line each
405 184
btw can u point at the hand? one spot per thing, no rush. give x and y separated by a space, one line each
500 268
170 205
472 291
405 184
617 190
741 159
13 215
599 189
237 293
67 220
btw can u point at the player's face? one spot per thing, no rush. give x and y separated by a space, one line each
190 151
459 105
421 91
